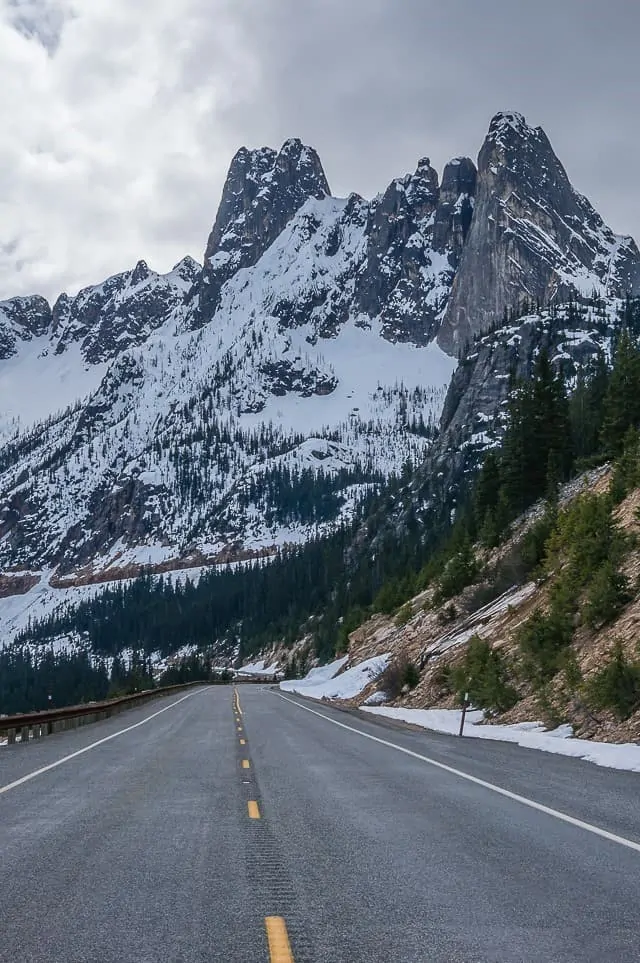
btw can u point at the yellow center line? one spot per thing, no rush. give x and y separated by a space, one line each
236 702
254 812
245 764
279 946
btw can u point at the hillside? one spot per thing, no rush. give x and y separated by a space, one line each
441 637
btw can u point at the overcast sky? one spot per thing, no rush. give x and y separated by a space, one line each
120 116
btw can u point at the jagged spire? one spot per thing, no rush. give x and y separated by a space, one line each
262 192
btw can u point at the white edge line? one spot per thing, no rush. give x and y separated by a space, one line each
93 745
564 817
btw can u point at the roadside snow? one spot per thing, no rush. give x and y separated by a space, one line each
260 669
320 684
530 735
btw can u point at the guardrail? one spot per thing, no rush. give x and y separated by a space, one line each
36 725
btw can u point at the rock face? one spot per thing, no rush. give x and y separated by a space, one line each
532 236
122 311
455 207
411 254
262 192
22 319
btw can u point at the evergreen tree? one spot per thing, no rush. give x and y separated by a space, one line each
621 409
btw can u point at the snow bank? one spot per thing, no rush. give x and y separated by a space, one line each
324 683
530 735
260 669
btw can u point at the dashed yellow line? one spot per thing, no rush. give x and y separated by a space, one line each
254 811
236 702
278 938
245 764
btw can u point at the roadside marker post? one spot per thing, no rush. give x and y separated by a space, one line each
464 712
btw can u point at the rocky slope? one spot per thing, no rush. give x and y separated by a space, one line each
435 637
223 408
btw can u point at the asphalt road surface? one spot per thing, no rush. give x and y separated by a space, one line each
276 829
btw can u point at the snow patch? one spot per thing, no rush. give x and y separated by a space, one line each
317 685
530 735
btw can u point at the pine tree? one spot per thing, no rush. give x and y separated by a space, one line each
621 409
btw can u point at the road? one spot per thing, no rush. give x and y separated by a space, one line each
276 829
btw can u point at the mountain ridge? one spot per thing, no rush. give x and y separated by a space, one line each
315 325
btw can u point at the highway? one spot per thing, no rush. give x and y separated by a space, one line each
247 825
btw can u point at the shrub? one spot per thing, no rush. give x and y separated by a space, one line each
442 679
543 639
448 614
483 674
411 675
572 672
626 471
388 598
607 594
461 570
587 536
547 708
404 614
616 686
398 674
534 542
352 620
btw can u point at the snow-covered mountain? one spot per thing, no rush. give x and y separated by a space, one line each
260 398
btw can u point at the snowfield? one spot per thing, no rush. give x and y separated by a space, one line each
326 682
530 735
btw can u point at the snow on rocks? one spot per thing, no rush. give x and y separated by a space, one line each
482 621
328 682
529 735
260 670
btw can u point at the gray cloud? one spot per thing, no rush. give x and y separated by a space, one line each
41 20
118 135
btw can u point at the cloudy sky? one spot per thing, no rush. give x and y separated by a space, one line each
120 116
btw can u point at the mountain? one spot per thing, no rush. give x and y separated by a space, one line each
220 411
532 237
22 319
262 192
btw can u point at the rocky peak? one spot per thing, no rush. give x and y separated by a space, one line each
401 282
108 318
140 273
455 207
300 165
262 192
188 270
532 237
22 319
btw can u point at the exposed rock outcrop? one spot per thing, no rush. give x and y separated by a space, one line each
532 237
22 319
262 192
